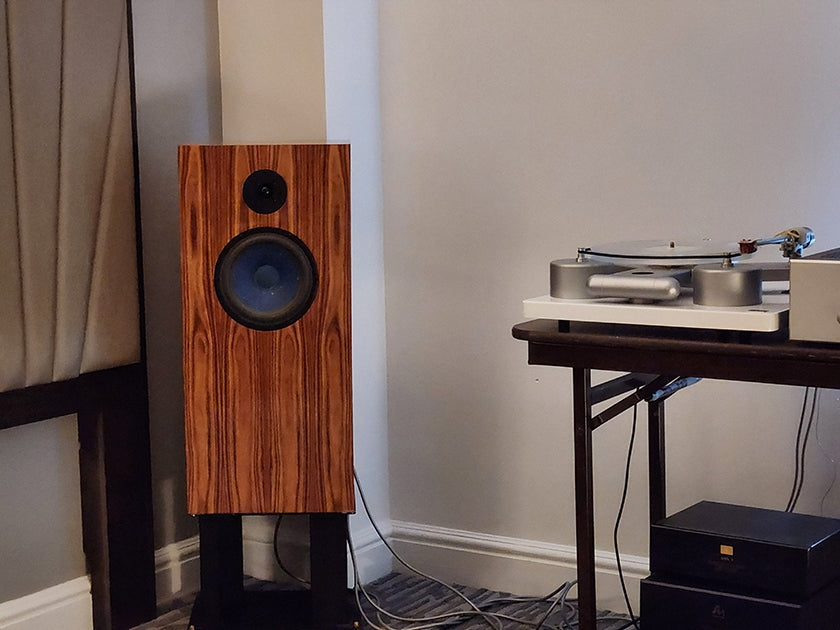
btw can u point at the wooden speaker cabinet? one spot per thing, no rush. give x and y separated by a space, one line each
265 279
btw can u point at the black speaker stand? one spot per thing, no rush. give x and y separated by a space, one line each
224 604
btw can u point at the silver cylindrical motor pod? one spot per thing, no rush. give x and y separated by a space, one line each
726 285
569 276
640 285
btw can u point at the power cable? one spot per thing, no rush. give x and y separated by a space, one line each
619 515
558 599
802 434
277 554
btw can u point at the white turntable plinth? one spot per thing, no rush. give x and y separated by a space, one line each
769 316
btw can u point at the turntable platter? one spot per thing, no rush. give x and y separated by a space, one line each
663 253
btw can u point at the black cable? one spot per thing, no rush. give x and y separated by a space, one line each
277 554
789 506
619 515
804 447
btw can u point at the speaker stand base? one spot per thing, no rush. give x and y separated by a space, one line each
224 604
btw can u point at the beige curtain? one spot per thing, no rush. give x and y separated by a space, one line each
68 273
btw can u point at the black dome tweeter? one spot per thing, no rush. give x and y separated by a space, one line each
266 278
264 191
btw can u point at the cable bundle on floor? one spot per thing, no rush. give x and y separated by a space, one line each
454 606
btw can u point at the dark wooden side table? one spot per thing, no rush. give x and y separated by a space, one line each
112 413
653 358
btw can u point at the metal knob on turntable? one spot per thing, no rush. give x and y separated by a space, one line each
727 285
569 277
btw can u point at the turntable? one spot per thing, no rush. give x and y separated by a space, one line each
673 283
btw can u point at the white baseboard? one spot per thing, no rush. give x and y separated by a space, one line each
501 563
510 564
178 567
67 606
177 571
372 555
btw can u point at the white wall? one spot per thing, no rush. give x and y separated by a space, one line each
351 61
272 69
289 75
514 132
176 48
301 71
41 515
511 134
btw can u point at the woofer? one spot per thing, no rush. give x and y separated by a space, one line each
266 278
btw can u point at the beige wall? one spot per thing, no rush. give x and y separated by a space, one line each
514 132
51 210
272 69
351 65
178 102
41 518
303 71
271 77
272 85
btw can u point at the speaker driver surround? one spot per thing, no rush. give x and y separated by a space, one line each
266 278
265 191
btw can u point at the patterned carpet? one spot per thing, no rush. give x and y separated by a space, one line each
416 597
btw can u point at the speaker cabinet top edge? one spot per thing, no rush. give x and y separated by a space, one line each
264 145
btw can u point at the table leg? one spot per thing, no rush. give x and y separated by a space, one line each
328 568
220 602
584 501
116 495
656 459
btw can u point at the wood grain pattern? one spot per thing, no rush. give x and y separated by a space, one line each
268 414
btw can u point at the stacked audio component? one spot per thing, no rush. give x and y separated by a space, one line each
265 278
716 566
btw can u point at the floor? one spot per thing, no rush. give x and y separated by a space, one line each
415 597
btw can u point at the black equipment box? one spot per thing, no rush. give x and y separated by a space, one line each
767 551
673 604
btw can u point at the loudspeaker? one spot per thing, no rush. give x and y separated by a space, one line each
265 283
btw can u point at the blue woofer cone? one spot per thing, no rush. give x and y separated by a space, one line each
266 278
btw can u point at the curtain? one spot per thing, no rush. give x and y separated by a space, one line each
68 260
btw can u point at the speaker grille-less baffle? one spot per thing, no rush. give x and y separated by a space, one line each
264 191
266 278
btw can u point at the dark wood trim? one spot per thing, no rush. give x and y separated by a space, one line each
756 358
52 400
121 422
135 152
115 476
39 402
